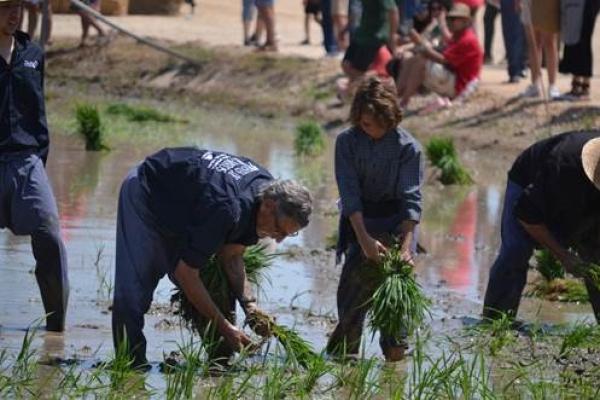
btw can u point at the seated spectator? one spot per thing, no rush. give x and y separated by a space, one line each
450 73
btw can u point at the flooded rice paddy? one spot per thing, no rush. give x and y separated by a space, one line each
459 231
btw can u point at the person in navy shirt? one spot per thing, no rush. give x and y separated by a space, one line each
177 209
27 204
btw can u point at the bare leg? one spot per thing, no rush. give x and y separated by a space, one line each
533 48
414 76
268 16
549 41
306 29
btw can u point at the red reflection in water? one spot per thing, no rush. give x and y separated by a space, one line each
461 272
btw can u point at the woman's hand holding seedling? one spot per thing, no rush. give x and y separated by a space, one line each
372 248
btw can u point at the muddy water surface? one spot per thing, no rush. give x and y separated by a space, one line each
459 231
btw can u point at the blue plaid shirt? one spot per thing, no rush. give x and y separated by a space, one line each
387 169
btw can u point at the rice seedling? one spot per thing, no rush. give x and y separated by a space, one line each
495 334
398 306
139 114
180 380
581 335
442 154
90 127
555 286
296 348
548 266
590 272
359 379
309 140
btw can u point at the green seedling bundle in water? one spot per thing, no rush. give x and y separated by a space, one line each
442 154
398 306
309 139
295 347
89 126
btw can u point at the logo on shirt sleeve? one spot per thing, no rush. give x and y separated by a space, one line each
232 166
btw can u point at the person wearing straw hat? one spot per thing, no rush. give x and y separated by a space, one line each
449 73
27 204
553 190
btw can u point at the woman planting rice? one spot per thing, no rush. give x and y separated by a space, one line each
379 172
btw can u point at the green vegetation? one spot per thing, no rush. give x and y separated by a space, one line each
295 347
139 114
442 154
310 139
580 336
398 306
90 127
554 285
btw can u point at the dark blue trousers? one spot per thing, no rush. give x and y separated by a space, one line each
329 41
28 207
143 257
514 38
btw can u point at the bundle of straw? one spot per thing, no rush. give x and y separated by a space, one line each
398 306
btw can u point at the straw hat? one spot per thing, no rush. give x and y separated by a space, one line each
590 158
459 10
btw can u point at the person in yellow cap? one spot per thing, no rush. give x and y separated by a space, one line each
27 205
552 194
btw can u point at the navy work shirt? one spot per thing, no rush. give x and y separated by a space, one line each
556 191
23 126
204 199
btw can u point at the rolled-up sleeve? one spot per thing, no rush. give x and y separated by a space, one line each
347 176
410 181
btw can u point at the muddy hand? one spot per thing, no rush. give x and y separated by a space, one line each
236 338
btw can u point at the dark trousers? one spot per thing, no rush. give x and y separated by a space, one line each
508 275
28 207
514 38
329 40
577 58
143 256
356 287
489 19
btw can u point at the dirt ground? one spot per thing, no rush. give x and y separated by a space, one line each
218 23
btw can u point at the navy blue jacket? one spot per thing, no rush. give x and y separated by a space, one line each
23 126
203 199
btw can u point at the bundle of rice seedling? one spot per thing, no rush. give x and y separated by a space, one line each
295 347
139 114
309 139
591 272
548 266
398 306
90 127
442 154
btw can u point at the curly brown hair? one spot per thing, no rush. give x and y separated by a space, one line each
377 99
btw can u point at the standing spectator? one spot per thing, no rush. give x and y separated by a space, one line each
378 25
578 23
514 40
492 9
379 173
329 41
33 8
248 8
266 12
339 15
311 7
354 14
450 73
87 20
28 204
541 19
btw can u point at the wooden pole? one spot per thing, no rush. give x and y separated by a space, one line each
83 7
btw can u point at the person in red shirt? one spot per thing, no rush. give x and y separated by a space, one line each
449 73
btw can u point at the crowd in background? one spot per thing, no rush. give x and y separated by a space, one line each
433 46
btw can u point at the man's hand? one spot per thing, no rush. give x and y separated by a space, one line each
407 257
235 337
259 321
373 248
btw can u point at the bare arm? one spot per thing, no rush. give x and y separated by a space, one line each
406 237
232 259
541 234
426 49
195 291
394 17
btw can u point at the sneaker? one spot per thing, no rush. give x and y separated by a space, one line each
553 93
531 91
